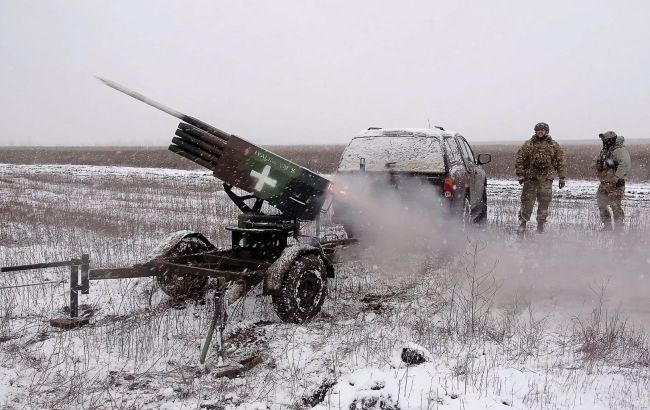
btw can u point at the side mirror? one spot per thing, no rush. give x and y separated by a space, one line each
483 159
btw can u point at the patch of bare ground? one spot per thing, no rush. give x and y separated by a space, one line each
319 158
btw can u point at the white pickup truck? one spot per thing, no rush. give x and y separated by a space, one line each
404 159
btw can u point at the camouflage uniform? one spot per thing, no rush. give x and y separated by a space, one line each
536 161
612 166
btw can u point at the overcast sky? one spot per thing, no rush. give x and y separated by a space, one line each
317 72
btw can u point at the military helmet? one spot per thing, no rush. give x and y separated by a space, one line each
542 126
608 135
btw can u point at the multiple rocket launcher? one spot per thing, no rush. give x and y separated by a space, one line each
295 191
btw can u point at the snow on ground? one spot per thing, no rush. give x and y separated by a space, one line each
100 171
546 321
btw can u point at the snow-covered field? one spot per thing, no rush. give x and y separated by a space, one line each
558 320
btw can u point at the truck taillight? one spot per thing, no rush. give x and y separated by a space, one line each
448 187
336 190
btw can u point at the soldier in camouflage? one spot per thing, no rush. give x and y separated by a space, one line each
612 166
536 161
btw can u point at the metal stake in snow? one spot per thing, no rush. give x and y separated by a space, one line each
218 320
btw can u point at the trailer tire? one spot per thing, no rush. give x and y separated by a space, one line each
185 286
179 287
303 289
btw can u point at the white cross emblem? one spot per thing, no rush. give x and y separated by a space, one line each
263 178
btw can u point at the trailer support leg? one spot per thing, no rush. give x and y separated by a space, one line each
85 274
74 291
218 321
74 320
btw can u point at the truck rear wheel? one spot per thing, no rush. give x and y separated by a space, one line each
348 230
482 217
302 291
466 212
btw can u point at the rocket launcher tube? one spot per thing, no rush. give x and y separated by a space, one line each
192 149
192 157
202 135
197 142
206 127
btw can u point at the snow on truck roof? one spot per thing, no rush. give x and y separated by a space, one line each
392 132
399 149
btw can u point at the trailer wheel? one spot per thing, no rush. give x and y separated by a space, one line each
302 290
180 287
184 286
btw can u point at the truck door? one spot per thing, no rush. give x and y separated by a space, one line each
476 174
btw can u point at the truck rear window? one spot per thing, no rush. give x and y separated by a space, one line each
401 154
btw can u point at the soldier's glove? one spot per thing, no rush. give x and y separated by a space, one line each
521 181
615 180
561 183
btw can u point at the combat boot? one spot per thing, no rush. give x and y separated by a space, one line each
540 227
521 229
